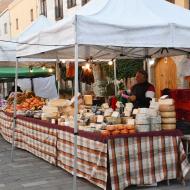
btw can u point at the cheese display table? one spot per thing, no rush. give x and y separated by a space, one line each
132 159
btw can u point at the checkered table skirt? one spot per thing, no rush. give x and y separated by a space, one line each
38 140
145 160
91 158
132 160
56 146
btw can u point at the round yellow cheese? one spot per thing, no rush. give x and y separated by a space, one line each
168 120
171 114
88 99
166 108
168 126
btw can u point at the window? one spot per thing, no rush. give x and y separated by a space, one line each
5 28
71 3
84 2
58 9
43 7
31 15
17 24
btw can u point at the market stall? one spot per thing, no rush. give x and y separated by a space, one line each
152 32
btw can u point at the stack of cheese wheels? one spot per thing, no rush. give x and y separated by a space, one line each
168 114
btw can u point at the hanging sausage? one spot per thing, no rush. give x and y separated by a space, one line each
70 70
87 75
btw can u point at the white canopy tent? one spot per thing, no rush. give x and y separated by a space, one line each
41 23
8 48
111 29
7 52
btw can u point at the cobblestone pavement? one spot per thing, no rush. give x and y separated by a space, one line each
28 172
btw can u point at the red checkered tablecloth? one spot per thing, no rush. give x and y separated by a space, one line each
37 139
145 160
91 158
56 146
140 158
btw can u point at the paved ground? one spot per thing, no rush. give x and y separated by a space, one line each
31 173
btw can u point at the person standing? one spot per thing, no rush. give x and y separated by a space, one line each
142 92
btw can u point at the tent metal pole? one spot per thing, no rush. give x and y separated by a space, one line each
57 78
115 76
57 75
58 87
75 109
75 119
14 114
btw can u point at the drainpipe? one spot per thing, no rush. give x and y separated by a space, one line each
37 8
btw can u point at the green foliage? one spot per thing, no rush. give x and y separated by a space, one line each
125 68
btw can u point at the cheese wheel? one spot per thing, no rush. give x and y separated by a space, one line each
169 120
124 131
143 128
111 127
105 132
166 108
168 114
168 126
168 101
88 99
116 132
120 127
130 127
132 131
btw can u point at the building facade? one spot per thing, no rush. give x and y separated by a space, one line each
58 9
22 14
5 30
183 3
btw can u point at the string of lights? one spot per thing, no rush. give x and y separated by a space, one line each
32 44
49 45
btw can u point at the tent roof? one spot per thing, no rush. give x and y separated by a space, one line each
108 28
7 52
8 49
41 23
